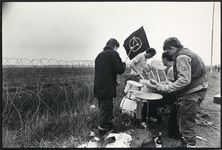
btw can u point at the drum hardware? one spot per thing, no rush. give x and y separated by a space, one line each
135 97
145 98
131 94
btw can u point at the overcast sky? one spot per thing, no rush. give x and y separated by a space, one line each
79 30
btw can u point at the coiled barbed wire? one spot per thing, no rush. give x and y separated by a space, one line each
50 84
17 70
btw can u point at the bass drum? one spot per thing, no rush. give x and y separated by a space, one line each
128 106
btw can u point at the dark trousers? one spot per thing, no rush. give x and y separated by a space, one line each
105 115
173 129
187 114
186 120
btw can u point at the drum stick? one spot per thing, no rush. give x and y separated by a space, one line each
141 76
165 76
153 75
158 75
146 74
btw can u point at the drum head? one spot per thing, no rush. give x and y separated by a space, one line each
148 96
134 83
128 106
158 64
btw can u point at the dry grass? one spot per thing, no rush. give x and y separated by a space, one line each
59 116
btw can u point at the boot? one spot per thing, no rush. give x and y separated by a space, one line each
184 144
101 133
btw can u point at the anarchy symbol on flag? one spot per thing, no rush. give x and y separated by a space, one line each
135 44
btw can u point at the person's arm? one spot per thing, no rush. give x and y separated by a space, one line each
119 66
183 77
170 75
133 64
147 68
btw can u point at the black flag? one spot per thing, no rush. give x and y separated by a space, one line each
136 43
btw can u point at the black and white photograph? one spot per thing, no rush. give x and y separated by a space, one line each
111 74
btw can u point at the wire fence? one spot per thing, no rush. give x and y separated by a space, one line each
21 72
31 86
23 62
17 71
36 86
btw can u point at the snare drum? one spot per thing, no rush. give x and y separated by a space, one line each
128 106
133 85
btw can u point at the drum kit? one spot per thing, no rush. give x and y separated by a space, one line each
137 93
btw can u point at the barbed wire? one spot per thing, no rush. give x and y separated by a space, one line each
25 70
47 85
54 84
24 62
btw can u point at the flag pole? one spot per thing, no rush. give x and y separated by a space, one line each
211 69
128 55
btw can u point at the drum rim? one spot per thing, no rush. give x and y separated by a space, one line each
134 83
146 94
134 90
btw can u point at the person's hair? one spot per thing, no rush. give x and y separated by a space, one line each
151 51
167 56
171 41
111 44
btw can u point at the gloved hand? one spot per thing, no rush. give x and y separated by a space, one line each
161 87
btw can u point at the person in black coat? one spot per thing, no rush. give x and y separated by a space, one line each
107 65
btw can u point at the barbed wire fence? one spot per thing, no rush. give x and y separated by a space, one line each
19 70
34 86
46 85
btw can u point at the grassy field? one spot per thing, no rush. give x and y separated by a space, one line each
50 108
